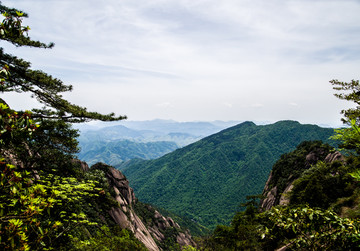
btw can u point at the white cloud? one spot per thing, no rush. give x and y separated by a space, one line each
257 105
136 53
164 105
293 104
228 105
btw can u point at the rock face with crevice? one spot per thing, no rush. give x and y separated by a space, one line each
152 235
275 193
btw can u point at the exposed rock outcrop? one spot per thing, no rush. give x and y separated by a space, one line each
285 196
83 165
162 223
336 156
274 195
269 195
152 235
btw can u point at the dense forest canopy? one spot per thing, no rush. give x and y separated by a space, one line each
207 180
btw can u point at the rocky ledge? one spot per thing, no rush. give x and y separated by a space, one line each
273 196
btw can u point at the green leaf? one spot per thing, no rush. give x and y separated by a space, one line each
311 216
13 190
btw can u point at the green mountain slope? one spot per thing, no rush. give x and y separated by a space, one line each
207 180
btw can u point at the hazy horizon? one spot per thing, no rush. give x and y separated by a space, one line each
100 124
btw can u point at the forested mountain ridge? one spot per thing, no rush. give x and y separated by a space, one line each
207 180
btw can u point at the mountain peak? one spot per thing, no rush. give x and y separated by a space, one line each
239 158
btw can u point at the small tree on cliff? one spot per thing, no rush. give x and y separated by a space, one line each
349 137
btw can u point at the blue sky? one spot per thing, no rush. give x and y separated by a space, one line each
259 60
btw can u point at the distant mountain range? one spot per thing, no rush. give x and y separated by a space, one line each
196 128
117 151
113 143
207 180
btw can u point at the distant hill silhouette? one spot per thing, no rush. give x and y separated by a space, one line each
113 143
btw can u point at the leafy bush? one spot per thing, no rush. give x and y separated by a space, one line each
322 185
309 229
106 239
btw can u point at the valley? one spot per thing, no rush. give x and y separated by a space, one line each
118 142
207 180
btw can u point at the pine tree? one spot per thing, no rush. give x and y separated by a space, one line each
16 75
46 89
37 174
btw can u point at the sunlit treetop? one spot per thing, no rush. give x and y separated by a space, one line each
349 91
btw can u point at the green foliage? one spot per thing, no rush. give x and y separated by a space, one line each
322 185
242 234
70 194
44 198
12 30
303 228
207 180
350 138
145 212
189 248
11 26
39 213
21 204
106 239
355 174
310 229
14 125
22 200
350 92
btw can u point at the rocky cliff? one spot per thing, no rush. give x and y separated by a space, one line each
130 213
289 168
